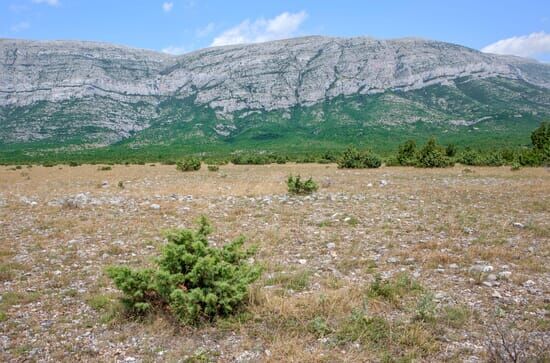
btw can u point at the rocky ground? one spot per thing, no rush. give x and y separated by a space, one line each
462 253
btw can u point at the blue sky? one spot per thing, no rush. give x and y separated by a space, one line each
176 26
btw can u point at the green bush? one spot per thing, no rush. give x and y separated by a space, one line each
469 157
192 280
191 164
297 186
451 150
104 168
257 159
432 156
541 136
493 158
530 157
213 168
355 159
406 154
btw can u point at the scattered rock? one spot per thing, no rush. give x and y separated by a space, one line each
392 260
481 268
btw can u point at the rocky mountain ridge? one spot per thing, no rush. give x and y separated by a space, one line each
272 75
97 94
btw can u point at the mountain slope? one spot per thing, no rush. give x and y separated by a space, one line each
326 90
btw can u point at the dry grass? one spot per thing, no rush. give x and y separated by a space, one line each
320 254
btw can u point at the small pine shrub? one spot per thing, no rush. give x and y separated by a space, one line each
432 156
191 164
121 184
530 157
355 159
104 168
297 186
470 157
494 158
541 136
213 168
451 150
192 280
406 154
73 164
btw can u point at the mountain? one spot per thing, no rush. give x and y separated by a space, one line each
310 92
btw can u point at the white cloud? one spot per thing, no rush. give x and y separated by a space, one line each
174 50
206 30
532 45
19 27
284 25
47 2
167 7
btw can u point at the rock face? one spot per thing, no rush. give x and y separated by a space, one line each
259 77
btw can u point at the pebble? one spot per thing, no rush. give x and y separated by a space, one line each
154 206
481 268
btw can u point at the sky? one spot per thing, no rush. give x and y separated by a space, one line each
179 26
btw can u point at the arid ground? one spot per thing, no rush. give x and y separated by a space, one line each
378 265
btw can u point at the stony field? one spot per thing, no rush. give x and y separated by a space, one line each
462 257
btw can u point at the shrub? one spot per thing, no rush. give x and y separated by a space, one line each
213 168
255 159
469 157
541 136
73 164
406 154
451 150
297 186
104 168
191 164
192 280
529 157
432 156
493 158
354 159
